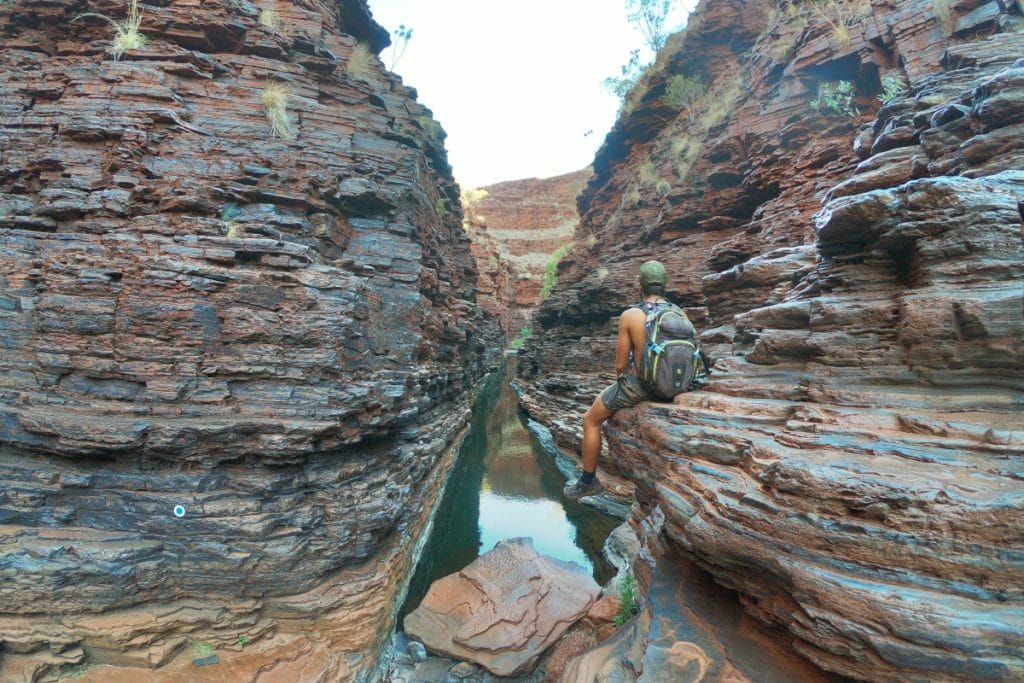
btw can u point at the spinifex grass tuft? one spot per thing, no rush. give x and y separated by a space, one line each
270 18
359 62
275 105
126 33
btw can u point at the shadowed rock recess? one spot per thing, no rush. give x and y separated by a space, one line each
854 467
278 336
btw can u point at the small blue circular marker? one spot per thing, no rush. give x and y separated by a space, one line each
179 511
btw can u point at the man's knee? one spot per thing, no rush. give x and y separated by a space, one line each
597 413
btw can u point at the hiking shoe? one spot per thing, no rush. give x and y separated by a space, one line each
578 489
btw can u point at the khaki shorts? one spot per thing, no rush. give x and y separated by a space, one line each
625 393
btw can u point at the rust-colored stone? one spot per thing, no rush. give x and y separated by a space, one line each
853 466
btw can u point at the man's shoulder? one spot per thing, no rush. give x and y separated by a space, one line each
633 312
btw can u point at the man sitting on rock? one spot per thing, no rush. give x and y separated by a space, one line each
628 389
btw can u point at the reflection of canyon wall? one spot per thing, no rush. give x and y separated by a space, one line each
516 226
854 467
278 336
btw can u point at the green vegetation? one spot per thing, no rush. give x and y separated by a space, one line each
275 106
835 100
229 217
627 597
359 62
201 648
649 17
439 205
403 34
432 130
602 273
72 671
243 641
524 334
682 91
662 187
126 33
892 87
551 270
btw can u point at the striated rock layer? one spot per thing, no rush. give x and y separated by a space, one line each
854 467
504 609
233 365
517 227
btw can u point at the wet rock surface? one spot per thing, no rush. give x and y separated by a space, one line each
853 469
503 610
277 339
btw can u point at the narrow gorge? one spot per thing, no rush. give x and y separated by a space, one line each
247 314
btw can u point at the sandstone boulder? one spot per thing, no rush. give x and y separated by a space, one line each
504 609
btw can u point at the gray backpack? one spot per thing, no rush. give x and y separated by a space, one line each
671 360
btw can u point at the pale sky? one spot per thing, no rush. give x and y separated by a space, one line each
515 84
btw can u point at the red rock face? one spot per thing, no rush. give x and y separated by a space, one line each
278 336
516 227
853 468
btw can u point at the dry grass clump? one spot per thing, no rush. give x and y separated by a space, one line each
662 187
841 19
631 198
720 100
275 106
270 18
602 273
126 33
943 11
687 149
359 62
647 174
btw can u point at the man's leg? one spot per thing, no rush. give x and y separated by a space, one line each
596 416
587 484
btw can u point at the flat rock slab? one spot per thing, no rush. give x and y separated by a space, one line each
504 609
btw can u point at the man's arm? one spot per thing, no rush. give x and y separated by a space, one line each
625 342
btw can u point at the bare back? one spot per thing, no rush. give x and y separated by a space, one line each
632 336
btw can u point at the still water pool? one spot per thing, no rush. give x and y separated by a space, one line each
504 486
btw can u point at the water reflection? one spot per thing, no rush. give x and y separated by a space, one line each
504 486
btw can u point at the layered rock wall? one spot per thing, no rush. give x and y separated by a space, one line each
233 364
517 227
853 469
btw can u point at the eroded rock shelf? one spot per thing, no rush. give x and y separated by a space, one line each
853 469
278 336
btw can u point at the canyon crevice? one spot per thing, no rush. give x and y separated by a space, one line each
853 468
235 366
519 229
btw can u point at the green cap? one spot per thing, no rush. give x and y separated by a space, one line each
653 273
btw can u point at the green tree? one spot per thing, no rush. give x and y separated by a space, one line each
403 34
649 16
631 71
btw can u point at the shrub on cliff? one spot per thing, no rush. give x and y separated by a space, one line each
835 100
551 270
683 91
